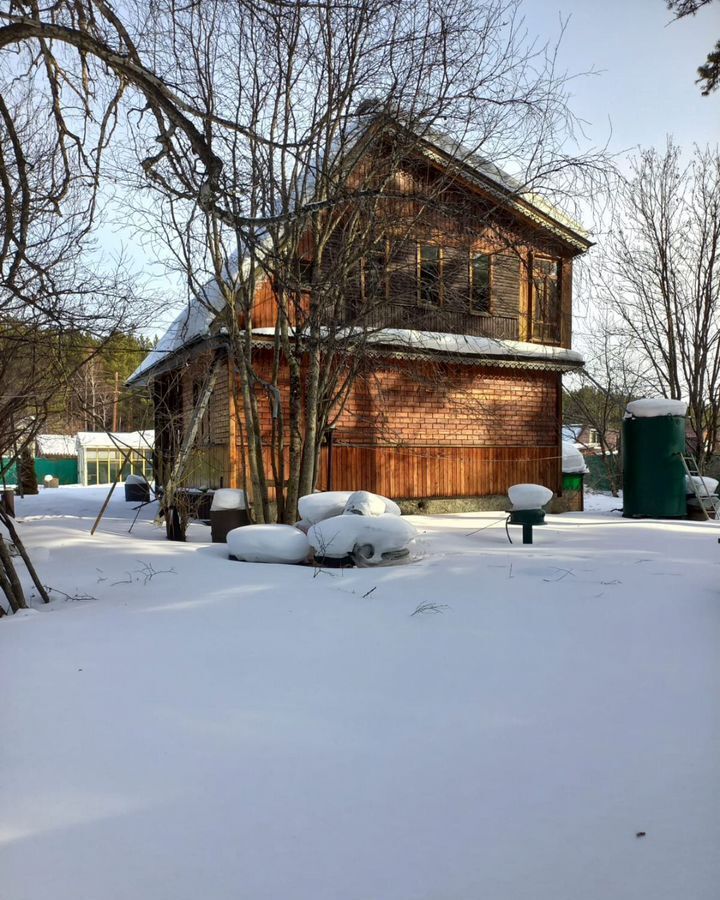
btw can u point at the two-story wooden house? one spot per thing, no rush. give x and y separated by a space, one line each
466 336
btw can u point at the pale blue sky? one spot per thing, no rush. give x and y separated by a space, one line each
646 66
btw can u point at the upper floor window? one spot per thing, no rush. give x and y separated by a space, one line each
546 290
373 274
480 282
429 262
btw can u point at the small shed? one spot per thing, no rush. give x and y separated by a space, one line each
102 455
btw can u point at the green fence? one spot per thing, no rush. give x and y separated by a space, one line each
65 470
597 478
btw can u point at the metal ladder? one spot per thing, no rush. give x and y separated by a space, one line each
710 501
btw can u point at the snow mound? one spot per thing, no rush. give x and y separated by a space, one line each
369 539
363 503
704 486
314 508
136 479
228 498
651 408
572 459
268 544
323 505
529 496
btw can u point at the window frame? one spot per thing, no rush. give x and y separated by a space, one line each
431 304
381 251
545 278
472 255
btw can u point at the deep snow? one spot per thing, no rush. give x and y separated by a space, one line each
223 730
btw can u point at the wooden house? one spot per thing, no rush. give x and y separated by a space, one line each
459 395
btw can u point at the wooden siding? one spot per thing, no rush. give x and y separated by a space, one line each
425 472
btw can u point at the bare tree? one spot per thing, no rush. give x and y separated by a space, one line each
659 275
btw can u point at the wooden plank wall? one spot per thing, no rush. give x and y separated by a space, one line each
425 472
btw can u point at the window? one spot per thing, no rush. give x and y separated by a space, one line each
546 292
373 275
306 272
102 465
480 282
429 274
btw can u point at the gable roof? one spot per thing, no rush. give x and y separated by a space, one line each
193 324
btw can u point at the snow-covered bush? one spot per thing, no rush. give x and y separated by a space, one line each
529 496
268 544
228 498
315 508
368 539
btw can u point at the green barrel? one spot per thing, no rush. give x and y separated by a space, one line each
653 472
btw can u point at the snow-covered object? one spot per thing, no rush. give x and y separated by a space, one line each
363 503
120 440
48 478
461 344
56 445
323 505
529 496
704 486
572 459
268 544
136 479
372 539
651 408
228 498
303 525
326 504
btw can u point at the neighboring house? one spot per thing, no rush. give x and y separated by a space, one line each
588 440
460 393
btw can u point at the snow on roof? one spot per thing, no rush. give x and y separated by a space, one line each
458 344
122 440
56 445
191 324
651 408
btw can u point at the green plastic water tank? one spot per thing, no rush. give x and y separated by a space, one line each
653 473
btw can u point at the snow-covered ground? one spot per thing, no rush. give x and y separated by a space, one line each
192 727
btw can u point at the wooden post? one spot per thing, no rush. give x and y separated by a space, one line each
15 538
115 403
330 438
126 457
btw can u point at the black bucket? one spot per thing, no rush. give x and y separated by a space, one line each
224 520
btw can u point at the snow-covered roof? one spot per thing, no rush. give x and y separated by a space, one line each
122 440
457 344
56 445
